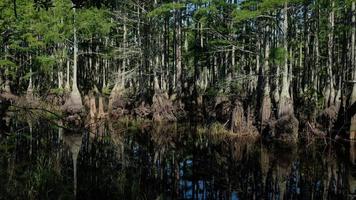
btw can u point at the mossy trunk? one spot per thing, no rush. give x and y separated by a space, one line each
266 100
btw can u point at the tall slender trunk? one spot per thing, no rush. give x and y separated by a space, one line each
317 55
7 88
353 62
75 57
330 94
285 106
178 55
266 102
74 103
124 60
60 74
67 86
276 94
255 79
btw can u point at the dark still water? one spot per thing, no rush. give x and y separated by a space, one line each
38 160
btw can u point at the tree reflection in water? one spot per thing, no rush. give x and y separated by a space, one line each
116 161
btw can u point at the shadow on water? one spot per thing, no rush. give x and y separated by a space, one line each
116 161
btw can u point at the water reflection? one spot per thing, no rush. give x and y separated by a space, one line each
117 161
352 170
73 142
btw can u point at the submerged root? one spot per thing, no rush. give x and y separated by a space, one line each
243 145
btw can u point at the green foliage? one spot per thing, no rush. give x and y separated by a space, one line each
9 66
106 91
6 64
220 42
277 55
46 63
27 76
253 9
57 91
241 15
203 14
211 92
93 22
165 9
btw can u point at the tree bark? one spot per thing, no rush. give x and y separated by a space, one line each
353 62
178 56
266 102
74 103
285 102
331 91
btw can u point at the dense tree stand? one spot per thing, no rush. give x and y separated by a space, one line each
271 66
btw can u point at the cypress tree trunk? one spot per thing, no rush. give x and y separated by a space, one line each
285 102
353 62
124 60
60 74
75 60
119 87
330 91
266 102
317 54
7 88
29 92
67 86
178 56
74 103
257 71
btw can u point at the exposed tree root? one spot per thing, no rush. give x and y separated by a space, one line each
285 128
162 108
117 104
143 111
240 123
101 108
73 104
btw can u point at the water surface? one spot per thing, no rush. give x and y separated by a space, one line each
39 160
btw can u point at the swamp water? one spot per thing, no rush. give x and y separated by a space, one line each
38 160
